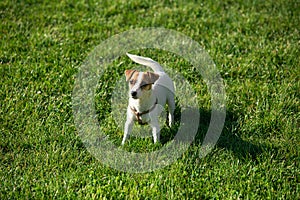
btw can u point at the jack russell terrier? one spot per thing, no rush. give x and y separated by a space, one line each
149 93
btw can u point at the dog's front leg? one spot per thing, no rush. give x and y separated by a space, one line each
127 130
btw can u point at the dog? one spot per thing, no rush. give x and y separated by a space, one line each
149 93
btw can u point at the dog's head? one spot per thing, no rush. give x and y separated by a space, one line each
140 83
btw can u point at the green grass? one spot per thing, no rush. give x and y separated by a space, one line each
255 45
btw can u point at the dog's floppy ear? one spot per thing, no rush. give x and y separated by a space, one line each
129 73
152 77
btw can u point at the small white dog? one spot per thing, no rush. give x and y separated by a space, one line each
149 92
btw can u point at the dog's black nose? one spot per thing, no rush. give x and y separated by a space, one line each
133 93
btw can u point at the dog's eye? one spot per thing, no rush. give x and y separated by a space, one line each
144 86
131 82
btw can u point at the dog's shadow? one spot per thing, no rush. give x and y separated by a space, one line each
229 138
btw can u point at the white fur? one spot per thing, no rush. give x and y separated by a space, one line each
162 91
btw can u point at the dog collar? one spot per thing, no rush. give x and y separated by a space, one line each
139 114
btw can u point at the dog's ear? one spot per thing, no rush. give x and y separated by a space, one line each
129 73
151 77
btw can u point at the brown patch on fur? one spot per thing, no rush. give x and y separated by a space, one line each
147 87
131 74
150 77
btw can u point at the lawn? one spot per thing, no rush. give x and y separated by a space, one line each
255 46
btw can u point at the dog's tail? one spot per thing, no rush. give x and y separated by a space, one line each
146 61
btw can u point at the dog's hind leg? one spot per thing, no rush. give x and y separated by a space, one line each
171 108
